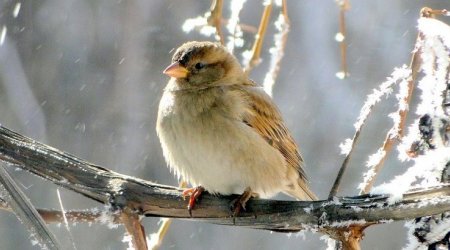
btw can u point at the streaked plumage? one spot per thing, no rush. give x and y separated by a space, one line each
221 131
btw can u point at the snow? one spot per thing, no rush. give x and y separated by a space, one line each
107 218
128 240
347 223
437 232
16 9
341 75
376 159
246 57
384 89
3 35
339 37
426 169
331 244
277 53
346 146
235 39
200 23
400 76
426 172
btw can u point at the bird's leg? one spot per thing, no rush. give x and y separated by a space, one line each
239 203
194 194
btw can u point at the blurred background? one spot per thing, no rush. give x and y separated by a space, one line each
85 77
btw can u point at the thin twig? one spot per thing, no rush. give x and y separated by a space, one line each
26 212
56 216
158 237
280 38
431 13
391 138
341 37
285 11
343 168
259 39
366 110
214 18
244 27
396 133
66 222
131 221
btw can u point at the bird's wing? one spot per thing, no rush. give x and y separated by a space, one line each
264 117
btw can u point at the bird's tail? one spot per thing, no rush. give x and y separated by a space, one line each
302 192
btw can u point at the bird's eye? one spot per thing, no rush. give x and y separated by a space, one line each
199 65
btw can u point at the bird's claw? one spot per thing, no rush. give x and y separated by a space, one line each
238 204
194 194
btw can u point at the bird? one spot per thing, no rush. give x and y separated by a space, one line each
221 132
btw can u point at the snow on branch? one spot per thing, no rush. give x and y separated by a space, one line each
431 57
426 145
147 198
434 47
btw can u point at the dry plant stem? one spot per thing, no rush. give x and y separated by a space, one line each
215 18
66 222
285 11
275 69
392 138
25 211
248 28
350 237
243 26
387 144
56 216
257 46
337 181
344 5
430 13
164 228
132 223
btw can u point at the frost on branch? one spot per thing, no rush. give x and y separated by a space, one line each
201 24
385 89
426 144
402 77
235 39
277 52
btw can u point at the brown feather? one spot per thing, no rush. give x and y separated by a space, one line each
263 116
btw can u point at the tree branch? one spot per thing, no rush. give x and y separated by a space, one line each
150 199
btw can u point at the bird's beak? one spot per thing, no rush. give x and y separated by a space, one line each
176 70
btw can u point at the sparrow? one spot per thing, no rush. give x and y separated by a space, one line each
222 133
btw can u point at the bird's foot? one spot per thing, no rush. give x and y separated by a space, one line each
238 204
194 194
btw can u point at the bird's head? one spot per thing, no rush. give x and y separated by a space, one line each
199 64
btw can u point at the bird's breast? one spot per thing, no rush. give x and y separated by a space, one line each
205 143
